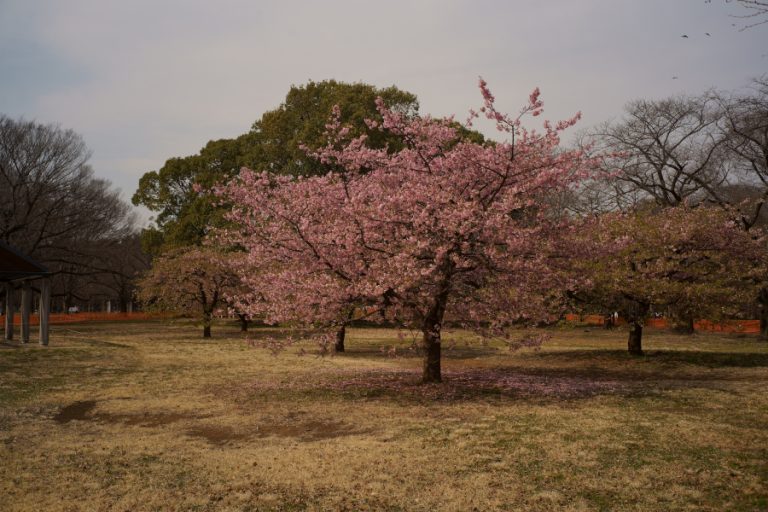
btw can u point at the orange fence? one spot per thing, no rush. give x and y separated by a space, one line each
68 318
740 326
745 326
729 326
591 319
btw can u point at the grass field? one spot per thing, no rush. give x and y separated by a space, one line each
147 416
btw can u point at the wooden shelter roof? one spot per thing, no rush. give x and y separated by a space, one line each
15 265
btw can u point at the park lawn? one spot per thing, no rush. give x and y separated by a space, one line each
148 416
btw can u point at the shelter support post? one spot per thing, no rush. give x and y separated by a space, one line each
26 306
45 309
9 306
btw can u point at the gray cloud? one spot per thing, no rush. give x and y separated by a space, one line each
147 80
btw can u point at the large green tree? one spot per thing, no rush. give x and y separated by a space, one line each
275 142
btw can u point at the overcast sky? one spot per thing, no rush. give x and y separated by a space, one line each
143 81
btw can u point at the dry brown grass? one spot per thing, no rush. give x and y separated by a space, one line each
146 416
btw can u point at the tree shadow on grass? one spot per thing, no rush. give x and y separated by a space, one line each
406 352
542 376
404 385
663 357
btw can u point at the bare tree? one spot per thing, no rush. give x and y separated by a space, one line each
119 266
51 204
756 12
666 151
744 133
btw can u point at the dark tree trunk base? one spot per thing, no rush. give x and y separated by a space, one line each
431 371
206 331
244 322
635 342
341 334
762 299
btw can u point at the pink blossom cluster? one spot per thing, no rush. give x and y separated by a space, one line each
441 226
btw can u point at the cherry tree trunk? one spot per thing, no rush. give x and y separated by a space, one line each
243 322
431 345
635 317
206 325
431 328
635 344
341 334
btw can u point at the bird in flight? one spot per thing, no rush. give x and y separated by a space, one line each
684 36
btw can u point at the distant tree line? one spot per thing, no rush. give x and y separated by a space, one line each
53 208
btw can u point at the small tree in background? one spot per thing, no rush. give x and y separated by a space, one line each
190 281
695 260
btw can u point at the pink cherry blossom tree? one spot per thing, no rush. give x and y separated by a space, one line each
190 281
442 227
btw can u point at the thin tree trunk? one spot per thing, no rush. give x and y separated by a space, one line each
432 346
635 317
208 308
243 322
635 344
763 300
206 325
341 334
431 342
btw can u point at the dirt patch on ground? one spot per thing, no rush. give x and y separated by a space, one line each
83 411
307 431
216 435
304 431
75 411
146 419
